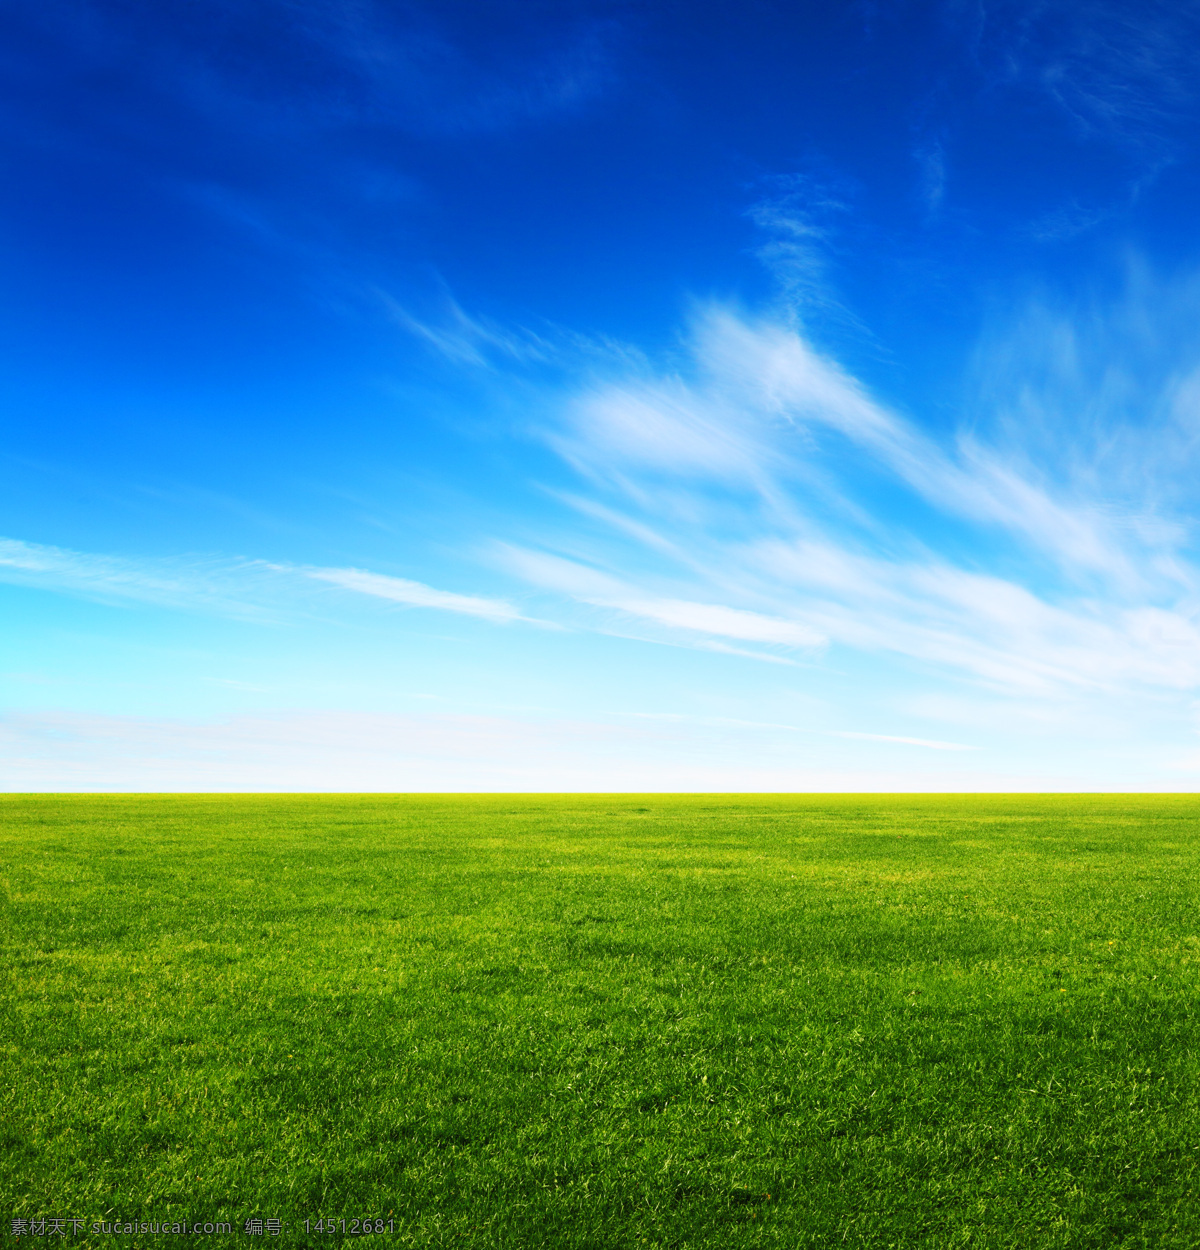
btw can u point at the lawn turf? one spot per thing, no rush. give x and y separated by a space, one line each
606 1021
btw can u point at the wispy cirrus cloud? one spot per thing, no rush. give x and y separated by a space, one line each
781 503
468 340
335 67
204 584
414 594
760 412
1119 69
799 218
761 501
239 588
763 494
758 499
716 620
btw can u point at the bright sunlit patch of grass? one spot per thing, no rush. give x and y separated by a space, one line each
602 1021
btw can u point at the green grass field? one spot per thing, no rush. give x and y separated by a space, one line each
606 1021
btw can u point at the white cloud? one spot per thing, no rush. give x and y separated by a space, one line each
711 618
249 589
210 585
710 644
601 590
415 594
468 340
800 216
741 512
752 482
763 503
757 414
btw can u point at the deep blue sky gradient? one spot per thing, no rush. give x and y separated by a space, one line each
296 286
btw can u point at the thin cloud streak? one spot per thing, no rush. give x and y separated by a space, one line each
414 594
342 751
244 589
601 590
205 585
727 722
911 742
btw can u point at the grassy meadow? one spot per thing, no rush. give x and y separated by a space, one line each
606 1021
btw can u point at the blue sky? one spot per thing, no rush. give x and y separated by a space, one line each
599 396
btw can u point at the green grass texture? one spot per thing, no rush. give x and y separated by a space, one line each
606 1020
